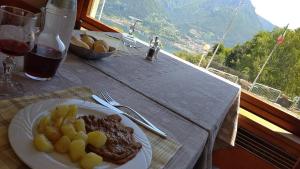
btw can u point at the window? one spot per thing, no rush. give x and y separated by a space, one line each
229 38
118 15
84 9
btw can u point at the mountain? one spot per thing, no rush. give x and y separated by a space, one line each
266 24
194 21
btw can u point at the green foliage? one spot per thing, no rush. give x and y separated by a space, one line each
220 55
281 72
283 69
193 58
159 25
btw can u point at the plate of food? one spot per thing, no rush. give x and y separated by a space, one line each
71 133
89 47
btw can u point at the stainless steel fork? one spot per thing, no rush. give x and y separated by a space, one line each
114 103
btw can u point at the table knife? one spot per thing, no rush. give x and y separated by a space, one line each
104 103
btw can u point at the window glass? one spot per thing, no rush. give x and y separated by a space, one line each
244 41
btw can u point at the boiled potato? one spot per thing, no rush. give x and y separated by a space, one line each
62 110
69 120
90 160
96 138
53 114
41 143
52 133
59 111
81 135
58 122
43 123
62 145
79 125
72 113
88 40
77 150
68 130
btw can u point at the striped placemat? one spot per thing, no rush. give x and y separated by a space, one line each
162 149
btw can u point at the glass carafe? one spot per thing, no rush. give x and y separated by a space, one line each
63 8
49 50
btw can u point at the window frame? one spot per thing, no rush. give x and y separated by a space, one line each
248 101
20 4
269 112
87 22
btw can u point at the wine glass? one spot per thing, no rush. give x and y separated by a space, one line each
129 39
17 28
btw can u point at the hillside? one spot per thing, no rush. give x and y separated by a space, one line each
189 23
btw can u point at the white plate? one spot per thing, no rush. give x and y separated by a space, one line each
22 129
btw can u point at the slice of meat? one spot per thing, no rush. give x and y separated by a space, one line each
120 146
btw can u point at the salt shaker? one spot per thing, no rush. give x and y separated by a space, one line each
153 49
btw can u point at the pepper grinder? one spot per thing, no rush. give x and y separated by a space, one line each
153 49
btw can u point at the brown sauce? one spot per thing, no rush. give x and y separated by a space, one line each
120 146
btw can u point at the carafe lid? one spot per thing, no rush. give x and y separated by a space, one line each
65 4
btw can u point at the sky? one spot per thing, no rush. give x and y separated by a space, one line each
279 12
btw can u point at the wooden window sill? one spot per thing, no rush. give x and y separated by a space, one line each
269 112
270 126
270 132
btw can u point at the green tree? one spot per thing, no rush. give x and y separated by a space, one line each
282 70
220 55
193 58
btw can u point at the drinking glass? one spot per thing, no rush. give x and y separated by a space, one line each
17 28
129 39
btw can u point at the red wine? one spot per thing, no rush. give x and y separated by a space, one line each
13 47
42 62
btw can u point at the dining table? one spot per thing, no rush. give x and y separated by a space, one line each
195 108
